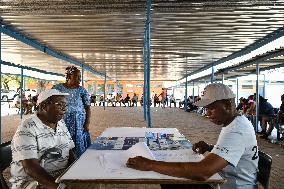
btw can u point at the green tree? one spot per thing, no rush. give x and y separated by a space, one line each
10 81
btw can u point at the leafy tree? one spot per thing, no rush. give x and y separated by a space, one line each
10 81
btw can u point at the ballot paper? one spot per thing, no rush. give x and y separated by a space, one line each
183 155
111 161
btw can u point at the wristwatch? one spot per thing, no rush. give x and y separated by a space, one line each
210 148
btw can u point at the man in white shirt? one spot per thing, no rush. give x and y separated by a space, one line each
235 156
42 145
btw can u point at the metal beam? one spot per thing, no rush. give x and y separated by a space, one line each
237 99
257 98
0 85
43 48
258 59
105 93
212 74
261 42
148 48
82 75
185 95
145 81
21 93
32 69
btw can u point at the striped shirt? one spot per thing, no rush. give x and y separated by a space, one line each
34 140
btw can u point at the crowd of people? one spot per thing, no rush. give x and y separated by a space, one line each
162 100
50 140
269 116
28 103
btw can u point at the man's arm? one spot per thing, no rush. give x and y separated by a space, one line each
202 170
38 173
72 157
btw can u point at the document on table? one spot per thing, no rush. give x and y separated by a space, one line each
109 161
182 155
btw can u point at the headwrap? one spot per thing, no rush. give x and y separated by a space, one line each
69 71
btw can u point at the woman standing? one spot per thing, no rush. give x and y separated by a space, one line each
77 116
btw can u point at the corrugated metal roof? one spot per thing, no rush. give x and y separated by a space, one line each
108 35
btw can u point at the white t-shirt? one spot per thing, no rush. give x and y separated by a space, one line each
237 145
31 141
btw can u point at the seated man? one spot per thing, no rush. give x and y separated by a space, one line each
127 100
42 145
235 155
134 99
156 100
280 114
101 100
93 99
266 113
172 100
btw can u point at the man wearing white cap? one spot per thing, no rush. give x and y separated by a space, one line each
235 156
41 146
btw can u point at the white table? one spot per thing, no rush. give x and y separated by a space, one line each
88 169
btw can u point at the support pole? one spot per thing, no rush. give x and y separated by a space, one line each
264 85
223 78
148 48
105 93
237 99
145 81
0 83
185 95
257 98
193 99
82 77
21 92
212 75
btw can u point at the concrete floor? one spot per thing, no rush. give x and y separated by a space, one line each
193 126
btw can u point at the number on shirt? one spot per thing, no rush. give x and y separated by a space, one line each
255 156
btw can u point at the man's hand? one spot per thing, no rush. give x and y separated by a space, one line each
139 163
201 147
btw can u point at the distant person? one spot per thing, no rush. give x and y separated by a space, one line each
280 114
93 99
134 100
172 100
127 100
101 100
156 100
77 116
266 113
235 156
42 146
164 97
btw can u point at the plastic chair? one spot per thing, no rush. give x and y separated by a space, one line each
5 160
264 167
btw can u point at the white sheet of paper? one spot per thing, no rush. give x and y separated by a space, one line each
109 162
182 155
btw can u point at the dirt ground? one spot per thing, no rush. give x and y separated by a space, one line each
193 126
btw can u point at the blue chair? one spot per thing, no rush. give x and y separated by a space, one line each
5 160
264 168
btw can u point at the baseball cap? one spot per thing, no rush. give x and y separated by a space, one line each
214 92
48 93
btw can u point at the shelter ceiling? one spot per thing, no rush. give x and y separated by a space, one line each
108 35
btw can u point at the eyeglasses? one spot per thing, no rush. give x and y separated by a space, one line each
61 105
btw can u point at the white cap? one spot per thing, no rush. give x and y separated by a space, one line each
214 92
48 93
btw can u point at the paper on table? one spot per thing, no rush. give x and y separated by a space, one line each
110 161
183 155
